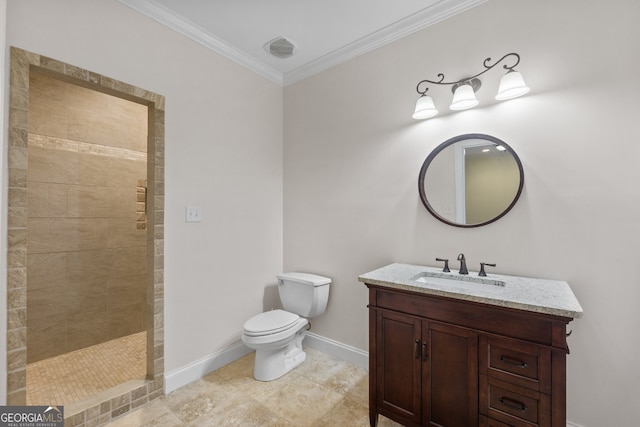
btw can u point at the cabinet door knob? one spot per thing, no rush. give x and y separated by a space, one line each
416 349
424 350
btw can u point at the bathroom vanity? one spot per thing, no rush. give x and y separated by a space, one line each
458 351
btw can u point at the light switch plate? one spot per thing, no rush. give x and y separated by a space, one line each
193 214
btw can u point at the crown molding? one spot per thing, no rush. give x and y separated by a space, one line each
399 29
436 13
198 34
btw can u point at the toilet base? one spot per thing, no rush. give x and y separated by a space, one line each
271 364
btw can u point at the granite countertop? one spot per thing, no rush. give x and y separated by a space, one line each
524 293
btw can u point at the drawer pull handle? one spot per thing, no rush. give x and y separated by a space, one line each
513 404
416 349
424 350
515 362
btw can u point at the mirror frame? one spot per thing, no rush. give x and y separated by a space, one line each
451 141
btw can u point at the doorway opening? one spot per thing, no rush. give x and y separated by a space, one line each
85 251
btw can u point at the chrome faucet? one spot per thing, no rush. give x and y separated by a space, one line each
463 264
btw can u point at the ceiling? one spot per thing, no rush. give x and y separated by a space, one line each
325 32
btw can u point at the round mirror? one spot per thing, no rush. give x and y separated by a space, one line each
471 180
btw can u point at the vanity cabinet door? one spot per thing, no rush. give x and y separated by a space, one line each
426 371
450 375
398 366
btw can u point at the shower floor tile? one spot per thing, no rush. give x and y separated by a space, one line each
80 374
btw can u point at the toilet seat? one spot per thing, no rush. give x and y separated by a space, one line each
270 322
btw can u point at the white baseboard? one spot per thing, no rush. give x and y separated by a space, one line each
198 369
570 424
337 349
191 372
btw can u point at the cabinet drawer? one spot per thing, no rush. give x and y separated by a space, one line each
517 362
490 422
497 320
512 404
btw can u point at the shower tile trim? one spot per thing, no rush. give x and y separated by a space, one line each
54 143
22 63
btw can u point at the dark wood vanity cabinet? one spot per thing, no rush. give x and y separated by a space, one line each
437 361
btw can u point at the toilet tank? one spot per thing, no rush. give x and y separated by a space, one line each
303 293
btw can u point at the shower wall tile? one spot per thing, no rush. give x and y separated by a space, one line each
127 320
122 231
87 152
88 201
46 199
116 126
53 166
46 340
46 308
66 234
84 266
68 111
90 331
48 118
46 271
126 291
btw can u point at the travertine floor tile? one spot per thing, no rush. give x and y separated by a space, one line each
155 414
322 392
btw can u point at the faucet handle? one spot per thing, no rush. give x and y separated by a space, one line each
446 264
482 272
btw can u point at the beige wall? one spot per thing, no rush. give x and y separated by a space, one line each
353 154
223 133
86 255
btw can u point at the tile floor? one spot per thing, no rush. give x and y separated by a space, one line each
80 374
323 391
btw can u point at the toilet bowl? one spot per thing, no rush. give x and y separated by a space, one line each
279 346
277 335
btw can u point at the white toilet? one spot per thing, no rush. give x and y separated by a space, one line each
277 335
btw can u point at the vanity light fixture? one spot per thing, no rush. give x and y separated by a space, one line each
512 85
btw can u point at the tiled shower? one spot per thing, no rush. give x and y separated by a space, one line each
86 198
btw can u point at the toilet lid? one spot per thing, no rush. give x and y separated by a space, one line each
270 322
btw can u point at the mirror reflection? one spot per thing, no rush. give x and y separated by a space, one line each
471 180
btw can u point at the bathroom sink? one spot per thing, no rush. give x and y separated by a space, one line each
459 282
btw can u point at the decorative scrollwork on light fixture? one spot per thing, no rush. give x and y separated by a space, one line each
512 85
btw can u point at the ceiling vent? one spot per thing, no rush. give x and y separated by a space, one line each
280 47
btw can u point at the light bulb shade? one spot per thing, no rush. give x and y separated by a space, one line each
425 108
512 85
464 97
